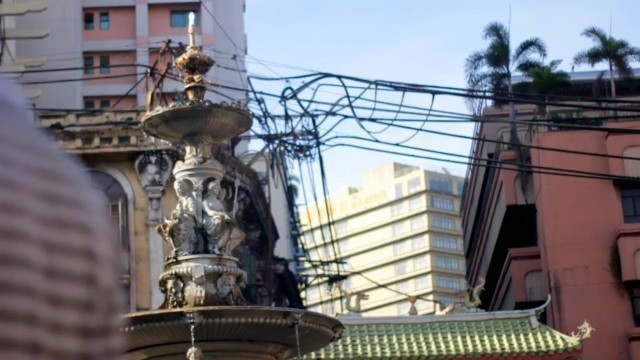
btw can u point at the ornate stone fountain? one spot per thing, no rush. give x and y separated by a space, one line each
204 315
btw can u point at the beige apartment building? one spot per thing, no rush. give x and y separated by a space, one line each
398 235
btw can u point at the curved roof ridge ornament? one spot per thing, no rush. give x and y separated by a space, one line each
538 310
535 312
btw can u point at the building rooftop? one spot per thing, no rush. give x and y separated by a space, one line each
577 76
454 336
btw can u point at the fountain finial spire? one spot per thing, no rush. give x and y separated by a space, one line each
192 31
194 64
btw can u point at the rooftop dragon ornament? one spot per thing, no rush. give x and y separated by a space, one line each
471 300
354 307
584 331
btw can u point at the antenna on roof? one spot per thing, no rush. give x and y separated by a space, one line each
446 171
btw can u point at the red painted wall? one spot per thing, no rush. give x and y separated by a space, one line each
160 20
122 24
577 226
115 58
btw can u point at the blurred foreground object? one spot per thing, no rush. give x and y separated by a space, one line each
59 267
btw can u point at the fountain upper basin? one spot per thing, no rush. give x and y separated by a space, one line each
228 332
220 122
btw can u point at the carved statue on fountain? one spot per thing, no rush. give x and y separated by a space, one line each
181 230
217 224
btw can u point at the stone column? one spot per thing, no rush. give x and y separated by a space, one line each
154 169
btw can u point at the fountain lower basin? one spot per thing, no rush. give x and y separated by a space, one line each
225 332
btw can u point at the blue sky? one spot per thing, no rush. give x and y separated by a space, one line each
417 41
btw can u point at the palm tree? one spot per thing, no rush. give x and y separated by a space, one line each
547 79
492 68
614 52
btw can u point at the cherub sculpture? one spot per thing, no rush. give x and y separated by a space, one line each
216 221
180 230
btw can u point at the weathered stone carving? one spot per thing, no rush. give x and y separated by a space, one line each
173 287
153 170
199 280
217 223
180 231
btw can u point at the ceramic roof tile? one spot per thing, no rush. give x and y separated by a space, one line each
446 338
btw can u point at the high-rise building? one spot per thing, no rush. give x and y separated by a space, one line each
108 46
398 235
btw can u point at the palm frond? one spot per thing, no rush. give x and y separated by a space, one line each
596 34
473 66
528 64
590 56
496 32
531 46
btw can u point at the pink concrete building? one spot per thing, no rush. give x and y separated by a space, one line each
110 44
574 238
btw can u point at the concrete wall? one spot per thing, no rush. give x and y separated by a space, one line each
62 48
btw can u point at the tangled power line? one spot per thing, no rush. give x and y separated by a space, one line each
316 112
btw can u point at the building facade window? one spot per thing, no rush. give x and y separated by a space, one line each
403 308
313 294
416 203
312 254
631 204
534 286
341 227
445 300
442 203
414 185
462 187
447 263
105 66
418 242
420 262
443 222
343 245
117 211
445 242
635 304
89 104
448 282
89 23
180 18
327 251
421 283
417 222
440 185
400 268
397 209
401 247
105 104
88 65
105 22
399 228
403 287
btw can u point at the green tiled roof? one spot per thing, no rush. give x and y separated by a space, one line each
447 337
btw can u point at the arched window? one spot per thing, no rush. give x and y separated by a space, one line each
534 285
117 205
